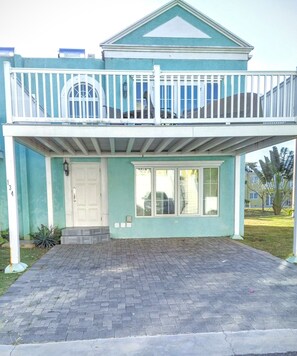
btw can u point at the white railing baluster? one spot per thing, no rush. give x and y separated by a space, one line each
252 97
291 103
157 74
205 96
277 97
51 95
271 96
265 97
30 95
199 96
192 97
178 97
37 95
219 97
59 95
22 88
135 95
45 95
258 97
121 96
232 95
225 95
211 96
238 95
284 107
141 102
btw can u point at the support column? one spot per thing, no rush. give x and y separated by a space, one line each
104 192
237 199
293 259
15 264
49 191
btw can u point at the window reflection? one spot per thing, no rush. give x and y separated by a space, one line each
189 191
165 203
143 192
210 191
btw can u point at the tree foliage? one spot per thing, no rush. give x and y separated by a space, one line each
276 173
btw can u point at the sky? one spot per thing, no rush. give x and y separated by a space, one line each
38 28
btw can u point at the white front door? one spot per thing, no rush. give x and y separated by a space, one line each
85 184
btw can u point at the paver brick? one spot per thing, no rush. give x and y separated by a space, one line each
148 287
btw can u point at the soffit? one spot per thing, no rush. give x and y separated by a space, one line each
150 141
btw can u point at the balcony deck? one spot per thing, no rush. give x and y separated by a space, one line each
76 112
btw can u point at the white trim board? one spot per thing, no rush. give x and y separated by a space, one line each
170 54
177 164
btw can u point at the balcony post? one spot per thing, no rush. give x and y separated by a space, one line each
237 199
14 239
157 83
293 259
8 97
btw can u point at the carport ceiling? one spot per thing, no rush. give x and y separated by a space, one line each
135 146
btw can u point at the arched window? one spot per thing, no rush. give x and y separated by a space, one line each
83 97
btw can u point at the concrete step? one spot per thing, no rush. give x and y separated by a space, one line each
85 235
85 231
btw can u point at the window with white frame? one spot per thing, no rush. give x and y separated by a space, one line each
253 195
189 97
174 189
83 97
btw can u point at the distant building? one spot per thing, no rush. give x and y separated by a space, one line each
253 194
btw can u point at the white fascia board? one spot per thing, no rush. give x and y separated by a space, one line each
120 131
176 55
176 49
215 25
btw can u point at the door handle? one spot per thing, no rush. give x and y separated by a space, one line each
74 194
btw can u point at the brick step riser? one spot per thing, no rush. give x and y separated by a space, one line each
85 240
85 232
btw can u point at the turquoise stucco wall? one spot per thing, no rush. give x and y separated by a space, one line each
121 204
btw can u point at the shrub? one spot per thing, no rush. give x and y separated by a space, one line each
46 237
5 234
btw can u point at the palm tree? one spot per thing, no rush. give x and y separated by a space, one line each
276 174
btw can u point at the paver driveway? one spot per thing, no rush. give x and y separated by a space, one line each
148 287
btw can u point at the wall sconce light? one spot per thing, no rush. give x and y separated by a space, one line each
66 168
125 89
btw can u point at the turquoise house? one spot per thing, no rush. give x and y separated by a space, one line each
148 141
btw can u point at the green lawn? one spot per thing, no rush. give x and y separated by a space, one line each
268 232
28 256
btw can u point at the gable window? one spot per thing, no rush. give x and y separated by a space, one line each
176 189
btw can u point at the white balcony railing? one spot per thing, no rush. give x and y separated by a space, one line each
150 97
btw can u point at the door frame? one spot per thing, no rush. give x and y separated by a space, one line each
102 171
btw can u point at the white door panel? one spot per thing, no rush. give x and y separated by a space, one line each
86 194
